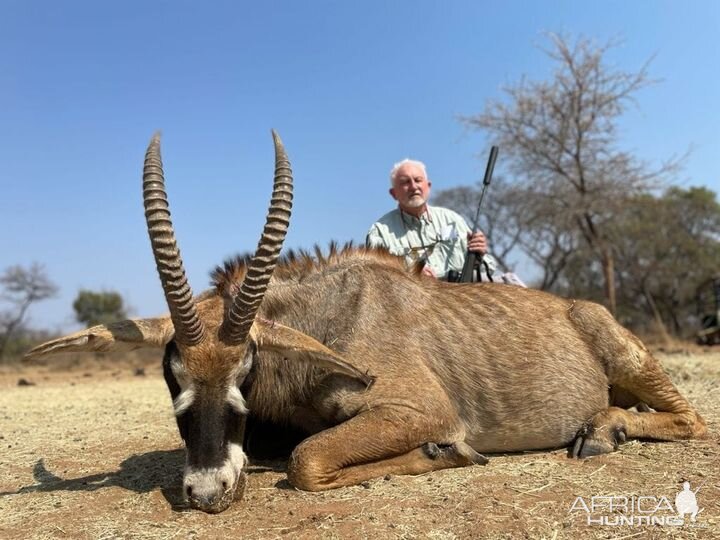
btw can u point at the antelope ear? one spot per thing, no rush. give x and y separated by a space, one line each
119 336
272 336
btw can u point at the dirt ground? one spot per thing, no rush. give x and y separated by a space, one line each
91 450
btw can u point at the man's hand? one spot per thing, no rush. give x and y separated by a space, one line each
427 271
477 243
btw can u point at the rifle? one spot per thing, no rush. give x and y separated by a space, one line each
473 260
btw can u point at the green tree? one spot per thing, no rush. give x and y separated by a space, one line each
93 308
665 247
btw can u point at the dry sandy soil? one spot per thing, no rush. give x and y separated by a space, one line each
92 451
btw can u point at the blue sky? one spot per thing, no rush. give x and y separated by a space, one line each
351 88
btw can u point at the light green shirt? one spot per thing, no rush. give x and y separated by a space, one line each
439 236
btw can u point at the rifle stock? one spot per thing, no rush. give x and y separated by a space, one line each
466 276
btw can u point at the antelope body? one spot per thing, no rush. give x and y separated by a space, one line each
385 370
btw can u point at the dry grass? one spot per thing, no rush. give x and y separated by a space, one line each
93 453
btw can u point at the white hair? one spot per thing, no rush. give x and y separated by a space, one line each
406 161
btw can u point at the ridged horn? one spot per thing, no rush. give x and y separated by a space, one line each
189 329
239 318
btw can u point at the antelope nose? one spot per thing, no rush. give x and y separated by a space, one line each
212 504
211 490
203 502
202 499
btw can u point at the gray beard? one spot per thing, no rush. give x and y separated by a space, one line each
416 202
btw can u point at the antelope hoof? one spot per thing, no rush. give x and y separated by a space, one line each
592 441
431 450
459 453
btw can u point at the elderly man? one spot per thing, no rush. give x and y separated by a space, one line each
437 236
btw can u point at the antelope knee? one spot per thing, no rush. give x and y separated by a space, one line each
699 427
305 471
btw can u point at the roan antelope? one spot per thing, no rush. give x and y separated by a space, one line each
385 370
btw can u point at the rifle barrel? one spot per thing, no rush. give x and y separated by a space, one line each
486 182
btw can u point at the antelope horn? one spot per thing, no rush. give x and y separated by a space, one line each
239 319
189 329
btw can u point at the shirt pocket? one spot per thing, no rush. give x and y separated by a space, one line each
448 233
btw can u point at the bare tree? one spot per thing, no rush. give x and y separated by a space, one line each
513 218
501 216
560 140
22 287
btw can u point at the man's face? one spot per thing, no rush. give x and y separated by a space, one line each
411 188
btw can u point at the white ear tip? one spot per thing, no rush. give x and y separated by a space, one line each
82 340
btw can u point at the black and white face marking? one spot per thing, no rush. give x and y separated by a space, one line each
211 420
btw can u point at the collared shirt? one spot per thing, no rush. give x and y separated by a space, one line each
438 236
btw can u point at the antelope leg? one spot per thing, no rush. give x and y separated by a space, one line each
376 443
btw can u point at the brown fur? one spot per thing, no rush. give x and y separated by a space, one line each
455 369
294 266
500 367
